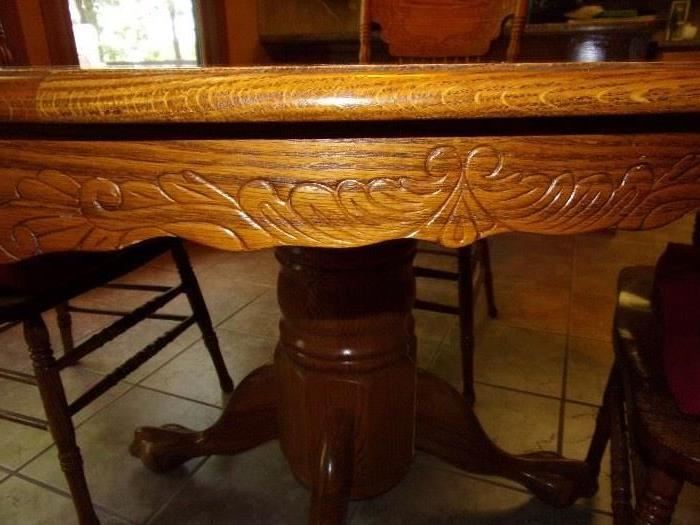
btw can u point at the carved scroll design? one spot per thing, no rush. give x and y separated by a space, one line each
455 199
488 198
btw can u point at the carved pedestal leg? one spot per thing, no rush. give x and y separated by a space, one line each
448 428
331 490
249 419
346 369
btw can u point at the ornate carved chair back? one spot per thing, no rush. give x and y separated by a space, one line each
448 30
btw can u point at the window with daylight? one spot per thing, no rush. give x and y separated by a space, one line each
135 33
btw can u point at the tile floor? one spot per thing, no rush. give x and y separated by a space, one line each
541 368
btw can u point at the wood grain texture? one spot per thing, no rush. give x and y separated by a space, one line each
348 93
250 194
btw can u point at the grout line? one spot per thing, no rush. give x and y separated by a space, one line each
582 403
176 492
76 426
178 396
551 397
61 492
567 347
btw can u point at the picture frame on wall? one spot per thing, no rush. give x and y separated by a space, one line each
677 18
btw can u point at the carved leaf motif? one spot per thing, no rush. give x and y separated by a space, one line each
459 196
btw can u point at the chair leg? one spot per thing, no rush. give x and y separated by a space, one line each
65 327
199 309
659 499
466 321
58 416
619 452
601 433
485 260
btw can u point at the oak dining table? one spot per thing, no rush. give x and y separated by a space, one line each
343 170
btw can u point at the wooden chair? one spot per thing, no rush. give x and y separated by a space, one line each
31 287
639 416
6 58
467 28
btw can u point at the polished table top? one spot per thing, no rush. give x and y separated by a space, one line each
306 159
247 158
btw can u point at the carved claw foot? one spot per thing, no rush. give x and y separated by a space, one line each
448 428
157 447
555 480
249 419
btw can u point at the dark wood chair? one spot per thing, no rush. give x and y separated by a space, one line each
467 28
654 447
31 287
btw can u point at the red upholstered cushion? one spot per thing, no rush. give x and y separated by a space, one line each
677 303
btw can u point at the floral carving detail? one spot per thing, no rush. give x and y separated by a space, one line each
456 198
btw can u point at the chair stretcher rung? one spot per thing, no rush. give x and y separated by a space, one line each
436 307
431 273
138 287
129 366
122 313
23 419
118 327
20 377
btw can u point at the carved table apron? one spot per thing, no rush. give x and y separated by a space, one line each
366 159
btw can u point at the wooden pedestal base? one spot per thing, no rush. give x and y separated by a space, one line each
345 398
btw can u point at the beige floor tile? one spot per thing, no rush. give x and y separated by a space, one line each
259 267
518 422
445 260
225 296
688 507
427 353
25 399
261 317
4 474
600 257
588 368
531 305
433 326
24 503
579 424
592 316
437 291
191 374
13 349
253 488
113 354
548 261
203 256
508 356
118 481
432 496
19 443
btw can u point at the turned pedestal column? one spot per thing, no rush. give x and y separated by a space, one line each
344 395
346 368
